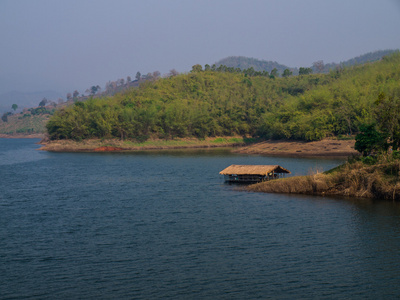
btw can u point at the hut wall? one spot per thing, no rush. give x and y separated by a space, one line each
252 177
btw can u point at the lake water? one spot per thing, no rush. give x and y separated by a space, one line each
163 225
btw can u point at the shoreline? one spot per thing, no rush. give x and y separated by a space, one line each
22 136
114 145
284 148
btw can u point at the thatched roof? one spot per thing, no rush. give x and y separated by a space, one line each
253 170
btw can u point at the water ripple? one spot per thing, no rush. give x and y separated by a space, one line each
144 226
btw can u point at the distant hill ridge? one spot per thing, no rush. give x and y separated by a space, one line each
243 62
31 99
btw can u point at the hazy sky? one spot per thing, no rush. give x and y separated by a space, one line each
64 45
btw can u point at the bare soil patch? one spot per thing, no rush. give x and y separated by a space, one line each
107 149
326 147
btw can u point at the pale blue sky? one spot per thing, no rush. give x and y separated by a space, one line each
64 45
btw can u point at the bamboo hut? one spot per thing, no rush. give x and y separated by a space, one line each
253 173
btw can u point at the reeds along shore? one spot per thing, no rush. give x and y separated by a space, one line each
380 180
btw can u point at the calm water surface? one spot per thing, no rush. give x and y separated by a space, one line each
165 226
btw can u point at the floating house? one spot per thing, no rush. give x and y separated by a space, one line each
253 173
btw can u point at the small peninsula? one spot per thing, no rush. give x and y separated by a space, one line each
324 148
378 179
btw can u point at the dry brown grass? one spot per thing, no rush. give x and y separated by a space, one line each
310 184
379 181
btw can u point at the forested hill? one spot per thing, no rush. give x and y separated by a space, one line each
243 63
368 57
362 59
219 103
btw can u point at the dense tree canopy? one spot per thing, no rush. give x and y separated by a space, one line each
370 140
223 101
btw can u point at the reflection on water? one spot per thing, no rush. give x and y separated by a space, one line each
164 225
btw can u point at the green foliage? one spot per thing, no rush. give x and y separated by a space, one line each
223 101
370 141
43 102
287 73
26 130
197 68
369 160
342 137
94 89
41 110
243 63
396 154
388 116
305 71
4 117
386 132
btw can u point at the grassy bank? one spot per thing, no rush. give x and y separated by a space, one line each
357 178
128 145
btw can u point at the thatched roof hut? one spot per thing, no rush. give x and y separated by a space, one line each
253 173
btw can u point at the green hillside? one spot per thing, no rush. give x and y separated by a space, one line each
25 123
210 103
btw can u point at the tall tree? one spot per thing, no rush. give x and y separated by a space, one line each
14 107
305 71
274 73
370 141
94 89
4 117
319 66
156 74
287 73
197 68
387 112
43 102
173 73
138 75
